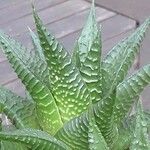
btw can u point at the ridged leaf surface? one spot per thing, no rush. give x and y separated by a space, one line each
7 145
103 111
140 138
68 87
87 56
95 138
126 92
116 64
34 139
75 132
36 82
20 111
129 90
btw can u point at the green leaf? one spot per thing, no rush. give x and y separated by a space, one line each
68 87
6 145
75 132
20 111
141 138
95 138
129 90
87 56
11 146
130 120
36 44
104 118
118 61
34 139
124 139
126 131
35 78
126 92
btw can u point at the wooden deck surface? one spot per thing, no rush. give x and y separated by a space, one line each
64 18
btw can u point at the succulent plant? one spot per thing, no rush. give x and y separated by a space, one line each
77 102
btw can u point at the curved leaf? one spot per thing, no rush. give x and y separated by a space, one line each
124 139
126 131
103 113
68 87
95 138
75 132
6 145
87 56
34 139
129 90
116 64
20 111
33 73
141 138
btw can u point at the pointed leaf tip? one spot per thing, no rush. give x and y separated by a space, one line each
93 2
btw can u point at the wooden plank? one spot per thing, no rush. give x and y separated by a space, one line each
6 73
2 57
23 9
8 3
68 25
76 22
137 9
110 28
144 60
16 87
48 15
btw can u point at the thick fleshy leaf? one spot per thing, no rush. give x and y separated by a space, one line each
126 131
6 145
141 138
75 132
131 120
95 138
129 90
104 118
87 56
20 111
69 89
34 139
124 139
116 64
126 92
33 73
11 146
36 44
